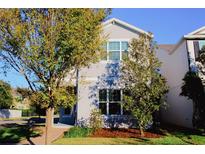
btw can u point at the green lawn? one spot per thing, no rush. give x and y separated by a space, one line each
15 134
174 138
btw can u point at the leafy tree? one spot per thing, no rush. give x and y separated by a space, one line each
44 45
144 86
6 98
193 89
200 64
26 93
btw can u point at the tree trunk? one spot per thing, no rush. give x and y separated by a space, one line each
49 123
141 131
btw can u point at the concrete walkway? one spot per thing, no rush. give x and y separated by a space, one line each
40 140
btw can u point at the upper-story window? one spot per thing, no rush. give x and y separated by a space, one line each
198 45
115 50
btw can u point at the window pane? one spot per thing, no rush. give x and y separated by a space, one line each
102 107
124 46
104 54
115 108
104 46
114 55
114 46
124 55
103 95
114 95
201 44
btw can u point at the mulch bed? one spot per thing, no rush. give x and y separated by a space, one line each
123 133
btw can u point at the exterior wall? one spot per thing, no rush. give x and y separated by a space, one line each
116 31
7 113
179 109
103 74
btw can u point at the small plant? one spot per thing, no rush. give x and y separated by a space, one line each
78 132
96 120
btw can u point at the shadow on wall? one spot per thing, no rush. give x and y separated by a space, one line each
109 80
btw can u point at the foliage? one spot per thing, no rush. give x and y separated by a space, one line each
144 86
78 132
44 45
96 120
24 92
193 89
6 98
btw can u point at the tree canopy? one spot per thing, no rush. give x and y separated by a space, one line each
6 98
144 86
44 45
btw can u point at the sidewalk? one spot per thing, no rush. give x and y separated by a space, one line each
40 140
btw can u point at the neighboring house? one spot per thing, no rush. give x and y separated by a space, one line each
99 85
177 60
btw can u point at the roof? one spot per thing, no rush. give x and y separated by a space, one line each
193 35
197 31
167 47
120 22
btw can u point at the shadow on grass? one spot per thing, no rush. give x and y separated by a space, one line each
14 133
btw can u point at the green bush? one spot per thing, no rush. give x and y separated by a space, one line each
78 132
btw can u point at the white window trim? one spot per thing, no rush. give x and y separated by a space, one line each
107 50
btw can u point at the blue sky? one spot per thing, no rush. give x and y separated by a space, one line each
167 25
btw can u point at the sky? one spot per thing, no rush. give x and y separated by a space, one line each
167 25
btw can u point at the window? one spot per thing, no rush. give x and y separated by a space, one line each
104 47
116 50
114 95
110 101
201 44
124 48
103 95
198 45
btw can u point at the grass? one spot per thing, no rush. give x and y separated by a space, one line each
177 137
15 134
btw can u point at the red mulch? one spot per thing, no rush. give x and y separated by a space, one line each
123 133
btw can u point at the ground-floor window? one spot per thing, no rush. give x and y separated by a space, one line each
110 101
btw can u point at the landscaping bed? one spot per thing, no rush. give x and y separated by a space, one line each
123 133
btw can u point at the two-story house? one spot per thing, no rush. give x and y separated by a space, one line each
99 85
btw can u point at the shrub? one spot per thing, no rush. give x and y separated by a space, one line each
96 120
193 89
78 132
